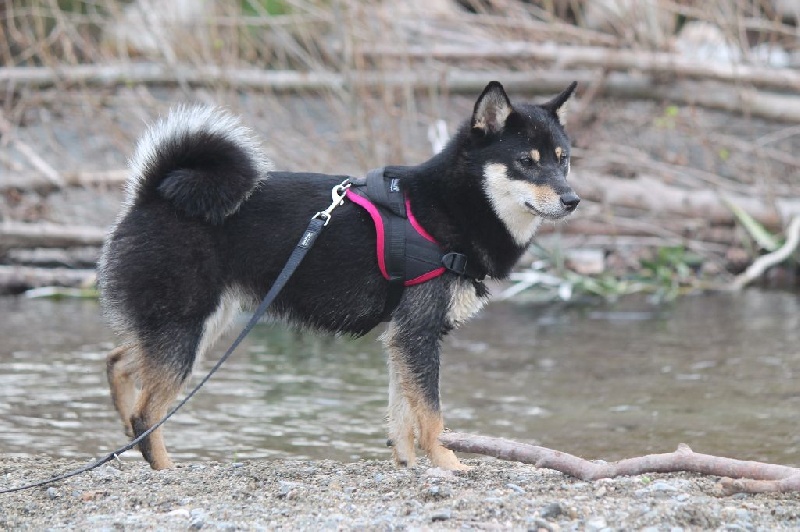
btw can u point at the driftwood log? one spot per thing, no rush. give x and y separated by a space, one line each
41 181
20 278
705 93
738 475
570 57
48 235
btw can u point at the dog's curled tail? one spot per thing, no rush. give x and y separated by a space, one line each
200 158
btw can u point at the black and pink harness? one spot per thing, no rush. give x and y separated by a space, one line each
407 254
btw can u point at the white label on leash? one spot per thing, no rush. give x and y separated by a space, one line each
307 240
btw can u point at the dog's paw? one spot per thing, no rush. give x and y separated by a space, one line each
446 459
403 461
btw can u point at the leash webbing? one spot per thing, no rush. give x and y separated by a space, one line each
318 222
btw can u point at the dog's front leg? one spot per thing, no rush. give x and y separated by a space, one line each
400 418
412 346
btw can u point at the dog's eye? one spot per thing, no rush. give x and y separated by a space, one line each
526 160
563 159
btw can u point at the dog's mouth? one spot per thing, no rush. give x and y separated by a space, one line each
546 215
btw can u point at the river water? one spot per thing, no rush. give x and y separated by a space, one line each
718 372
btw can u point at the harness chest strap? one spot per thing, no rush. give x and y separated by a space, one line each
407 254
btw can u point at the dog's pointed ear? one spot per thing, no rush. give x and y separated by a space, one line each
491 109
556 105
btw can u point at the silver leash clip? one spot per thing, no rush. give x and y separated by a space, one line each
337 196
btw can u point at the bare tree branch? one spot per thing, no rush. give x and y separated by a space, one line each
48 235
769 477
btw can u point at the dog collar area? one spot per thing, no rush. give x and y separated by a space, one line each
407 254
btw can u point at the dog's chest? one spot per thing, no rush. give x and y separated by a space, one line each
464 302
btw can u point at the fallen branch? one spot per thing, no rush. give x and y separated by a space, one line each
741 476
566 57
76 257
6 130
28 182
783 107
653 196
48 235
761 264
745 485
15 279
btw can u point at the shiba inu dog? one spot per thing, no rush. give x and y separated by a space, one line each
208 225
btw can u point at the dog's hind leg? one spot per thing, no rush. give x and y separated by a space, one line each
158 392
164 366
120 370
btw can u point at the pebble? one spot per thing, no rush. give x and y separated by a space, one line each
541 524
660 485
552 510
105 471
438 472
658 488
53 493
443 514
595 524
288 490
515 487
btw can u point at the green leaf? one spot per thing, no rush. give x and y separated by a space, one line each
763 237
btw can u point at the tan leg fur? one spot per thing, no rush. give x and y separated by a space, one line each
120 371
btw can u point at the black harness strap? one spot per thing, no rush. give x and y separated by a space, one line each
391 198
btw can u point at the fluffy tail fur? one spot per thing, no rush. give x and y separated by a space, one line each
200 158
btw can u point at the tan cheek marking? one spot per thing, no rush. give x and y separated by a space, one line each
558 152
535 155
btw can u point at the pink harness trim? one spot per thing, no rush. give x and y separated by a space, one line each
378 221
416 225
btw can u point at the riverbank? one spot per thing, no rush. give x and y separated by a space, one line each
373 495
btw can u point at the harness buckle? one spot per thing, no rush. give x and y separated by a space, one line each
455 262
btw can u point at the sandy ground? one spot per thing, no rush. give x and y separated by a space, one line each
373 495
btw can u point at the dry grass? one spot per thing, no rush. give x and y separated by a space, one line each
380 88
336 37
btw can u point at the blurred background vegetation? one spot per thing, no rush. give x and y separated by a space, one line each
686 125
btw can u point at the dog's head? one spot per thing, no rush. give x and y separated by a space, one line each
524 154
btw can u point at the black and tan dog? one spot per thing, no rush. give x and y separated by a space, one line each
208 225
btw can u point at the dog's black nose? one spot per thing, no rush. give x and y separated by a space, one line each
570 200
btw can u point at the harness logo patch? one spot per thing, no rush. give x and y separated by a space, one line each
394 185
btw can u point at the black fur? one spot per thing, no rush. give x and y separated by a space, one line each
205 221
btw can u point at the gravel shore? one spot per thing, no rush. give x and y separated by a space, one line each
373 495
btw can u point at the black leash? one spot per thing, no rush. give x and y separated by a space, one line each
318 222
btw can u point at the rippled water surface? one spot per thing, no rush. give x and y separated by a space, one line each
721 373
